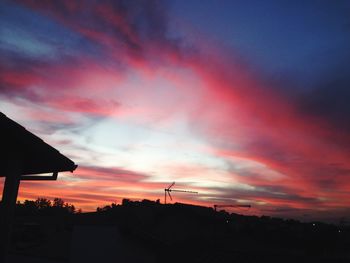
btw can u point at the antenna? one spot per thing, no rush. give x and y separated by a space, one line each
168 190
218 206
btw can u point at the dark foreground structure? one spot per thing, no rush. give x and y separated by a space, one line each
144 231
23 156
148 231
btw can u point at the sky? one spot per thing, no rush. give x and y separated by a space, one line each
245 102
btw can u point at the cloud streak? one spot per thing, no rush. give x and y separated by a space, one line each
140 108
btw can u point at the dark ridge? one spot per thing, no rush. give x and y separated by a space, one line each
180 233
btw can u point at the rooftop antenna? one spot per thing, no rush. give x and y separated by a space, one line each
220 206
168 190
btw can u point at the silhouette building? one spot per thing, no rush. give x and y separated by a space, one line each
23 156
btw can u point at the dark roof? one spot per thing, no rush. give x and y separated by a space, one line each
20 147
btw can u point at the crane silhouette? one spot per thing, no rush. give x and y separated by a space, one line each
168 190
220 206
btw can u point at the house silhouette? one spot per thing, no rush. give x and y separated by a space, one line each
23 156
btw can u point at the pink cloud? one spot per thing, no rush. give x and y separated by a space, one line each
224 104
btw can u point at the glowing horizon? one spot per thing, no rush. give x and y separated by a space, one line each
138 105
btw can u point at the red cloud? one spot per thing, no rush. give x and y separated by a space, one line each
225 105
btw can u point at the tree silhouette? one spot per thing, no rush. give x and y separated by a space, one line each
58 202
43 203
43 206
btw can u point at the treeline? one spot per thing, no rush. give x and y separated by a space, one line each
43 206
128 203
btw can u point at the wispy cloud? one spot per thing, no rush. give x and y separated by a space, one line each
138 108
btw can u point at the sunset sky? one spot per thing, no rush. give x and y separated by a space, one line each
246 102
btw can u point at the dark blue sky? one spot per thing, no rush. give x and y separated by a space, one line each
244 101
299 39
